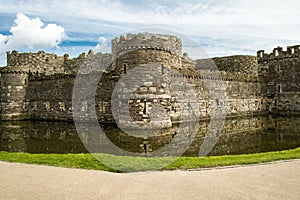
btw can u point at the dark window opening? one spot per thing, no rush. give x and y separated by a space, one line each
162 69
280 137
145 148
145 108
279 88
124 68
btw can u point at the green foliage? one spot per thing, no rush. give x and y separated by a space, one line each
131 164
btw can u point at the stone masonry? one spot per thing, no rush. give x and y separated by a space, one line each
279 73
39 86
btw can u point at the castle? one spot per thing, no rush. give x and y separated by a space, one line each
38 86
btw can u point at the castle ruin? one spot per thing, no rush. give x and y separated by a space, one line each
38 86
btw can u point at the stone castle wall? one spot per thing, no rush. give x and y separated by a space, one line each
242 97
50 98
40 62
246 65
39 86
279 72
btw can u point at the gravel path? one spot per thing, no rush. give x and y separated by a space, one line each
279 180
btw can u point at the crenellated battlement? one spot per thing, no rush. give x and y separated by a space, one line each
279 74
43 63
146 40
39 85
278 54
40 58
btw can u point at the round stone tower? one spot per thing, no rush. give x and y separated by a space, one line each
144 48
142 94
14 105
146 40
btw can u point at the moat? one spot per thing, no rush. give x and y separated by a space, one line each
239 136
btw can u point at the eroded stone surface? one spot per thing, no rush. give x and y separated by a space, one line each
39 85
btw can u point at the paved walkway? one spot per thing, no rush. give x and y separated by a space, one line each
280 180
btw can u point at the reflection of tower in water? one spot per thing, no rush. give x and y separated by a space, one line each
245 135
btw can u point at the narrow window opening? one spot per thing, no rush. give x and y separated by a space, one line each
162 69
145 107
278 68
145 147
279 88
280 137
125 68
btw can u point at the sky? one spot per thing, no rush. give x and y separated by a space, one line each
219 27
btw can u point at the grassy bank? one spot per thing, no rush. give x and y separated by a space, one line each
130 164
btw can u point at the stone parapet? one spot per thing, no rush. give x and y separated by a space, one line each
141 41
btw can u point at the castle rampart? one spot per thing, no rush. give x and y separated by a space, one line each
279 73
39 85
244 65
278 54
40 62
140 41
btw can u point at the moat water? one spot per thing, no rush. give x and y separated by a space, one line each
238 136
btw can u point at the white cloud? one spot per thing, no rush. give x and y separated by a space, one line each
32 34
241 26
115 16
168 12
103 45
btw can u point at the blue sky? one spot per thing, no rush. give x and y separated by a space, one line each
219 27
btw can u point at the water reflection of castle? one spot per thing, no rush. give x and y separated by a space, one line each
245 135
39 85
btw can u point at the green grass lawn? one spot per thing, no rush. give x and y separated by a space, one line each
131 164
